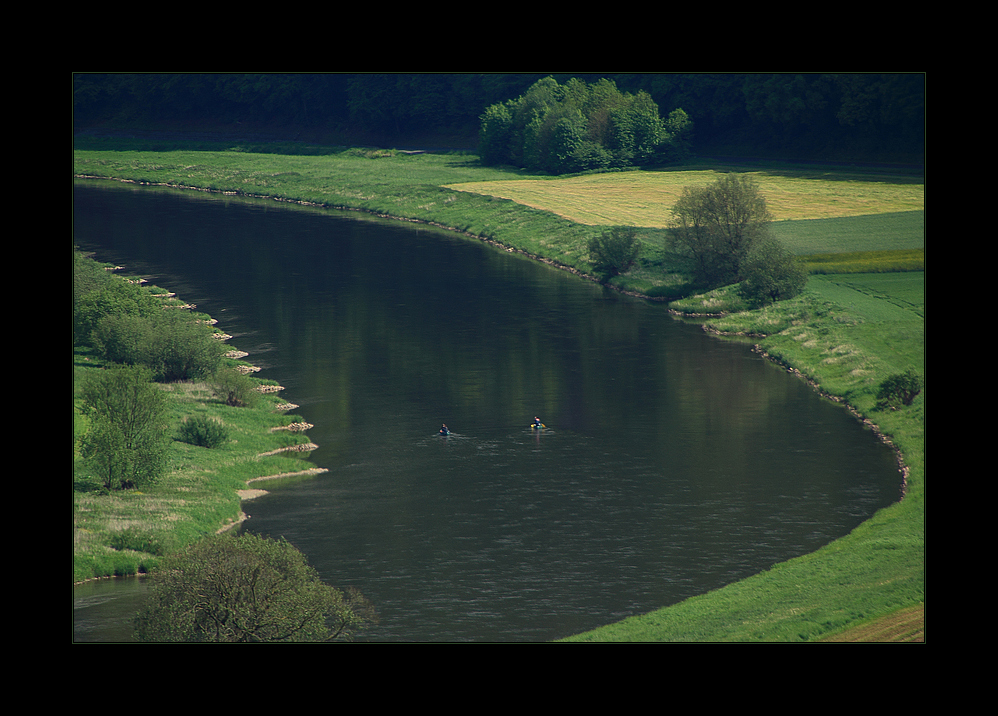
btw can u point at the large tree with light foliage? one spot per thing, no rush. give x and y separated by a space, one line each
718 225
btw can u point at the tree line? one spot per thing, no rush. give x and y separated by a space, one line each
864 116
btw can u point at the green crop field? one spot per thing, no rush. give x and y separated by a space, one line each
871 232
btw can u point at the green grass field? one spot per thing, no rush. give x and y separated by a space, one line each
893 231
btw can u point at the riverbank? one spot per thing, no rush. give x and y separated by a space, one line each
126 532
843 336
872 572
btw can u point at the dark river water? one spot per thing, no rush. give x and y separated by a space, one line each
673 463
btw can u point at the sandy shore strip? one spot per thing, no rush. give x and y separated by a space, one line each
313 471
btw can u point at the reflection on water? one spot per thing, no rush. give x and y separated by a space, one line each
674 463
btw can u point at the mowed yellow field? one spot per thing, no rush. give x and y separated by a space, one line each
644 198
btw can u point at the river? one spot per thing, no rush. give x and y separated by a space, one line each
673 463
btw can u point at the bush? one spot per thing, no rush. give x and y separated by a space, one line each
203 431
614 251
245 589
899 388
772 273
234 388
122 338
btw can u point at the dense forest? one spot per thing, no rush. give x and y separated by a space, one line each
850 117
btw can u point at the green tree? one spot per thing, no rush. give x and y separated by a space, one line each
122 337
495 134
242 589
566 138
679 130
614 251
772 273
718 225
182 349
636 130
126 443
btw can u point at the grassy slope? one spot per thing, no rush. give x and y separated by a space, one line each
873 571
905 625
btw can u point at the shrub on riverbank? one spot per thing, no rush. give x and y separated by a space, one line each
234 388
203 431
772 274
98 297
613 252
899 389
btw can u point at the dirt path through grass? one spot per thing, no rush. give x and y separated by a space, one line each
904 626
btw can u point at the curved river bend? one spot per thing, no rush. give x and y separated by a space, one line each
673 463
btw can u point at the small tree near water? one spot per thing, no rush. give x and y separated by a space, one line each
234 388
614 251
772 273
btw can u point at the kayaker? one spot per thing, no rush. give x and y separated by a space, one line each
537 423
444 430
